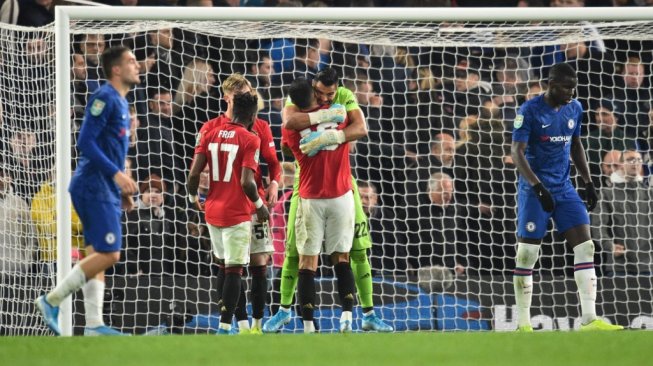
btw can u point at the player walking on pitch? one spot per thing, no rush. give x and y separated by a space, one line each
546 133
98 189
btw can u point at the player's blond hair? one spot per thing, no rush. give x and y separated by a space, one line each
235 82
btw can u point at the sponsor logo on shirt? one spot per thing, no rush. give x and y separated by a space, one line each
565 139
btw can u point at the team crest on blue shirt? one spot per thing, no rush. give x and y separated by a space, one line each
571 124
519 121
97 107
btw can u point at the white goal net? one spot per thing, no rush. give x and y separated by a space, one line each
439 98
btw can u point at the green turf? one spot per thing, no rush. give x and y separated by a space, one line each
425 348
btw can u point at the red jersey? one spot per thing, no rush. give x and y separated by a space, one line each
229 149
328 173
268 150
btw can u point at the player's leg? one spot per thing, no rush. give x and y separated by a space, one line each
240 313
309 230
338 241
261 247
102 229
531 227
289 272
236 253
360 265
572 220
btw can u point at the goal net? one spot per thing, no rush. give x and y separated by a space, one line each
435 171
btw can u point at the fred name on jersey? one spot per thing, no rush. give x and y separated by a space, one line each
226 134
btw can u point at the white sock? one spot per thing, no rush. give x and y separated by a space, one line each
309 327
93 302
585 277
346 315
522 280
243 324
73 282
284 309
225 326
257 323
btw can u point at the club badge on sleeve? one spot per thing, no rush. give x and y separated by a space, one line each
97 107
519 121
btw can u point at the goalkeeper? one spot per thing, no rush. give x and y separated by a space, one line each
343 103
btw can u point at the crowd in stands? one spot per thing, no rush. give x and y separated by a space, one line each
435 173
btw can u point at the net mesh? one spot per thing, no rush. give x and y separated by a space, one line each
439 99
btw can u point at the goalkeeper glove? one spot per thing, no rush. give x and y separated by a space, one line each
318 140
544 196
590 196
336 113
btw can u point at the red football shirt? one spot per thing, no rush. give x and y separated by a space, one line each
229 149
268 151
328 173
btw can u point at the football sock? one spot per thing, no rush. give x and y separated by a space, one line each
345 279
360 265
259 290
527 255
230 293
585 277
306 294
241 308
289 277
93 302
73 282
219 285
257 323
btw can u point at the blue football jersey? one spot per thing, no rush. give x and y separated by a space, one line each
548 133
103 142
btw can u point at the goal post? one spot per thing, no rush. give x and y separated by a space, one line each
446 29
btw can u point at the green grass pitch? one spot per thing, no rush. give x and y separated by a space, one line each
416 348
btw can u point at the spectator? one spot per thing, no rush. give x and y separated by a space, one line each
436 227
608 136
610 164
161 63
157 149
35 13
149 232
259 73
623 224
16 232
91 46
195 102
44 217
441 159
632 98
535 88
78 76
386 230
24 163
466 94
306 61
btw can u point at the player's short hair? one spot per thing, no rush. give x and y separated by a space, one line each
234 83
561 71
327 76
245 107
301 93
111 57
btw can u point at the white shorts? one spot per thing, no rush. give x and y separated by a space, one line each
231 243
331 220
261 238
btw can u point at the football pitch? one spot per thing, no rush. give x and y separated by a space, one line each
415 348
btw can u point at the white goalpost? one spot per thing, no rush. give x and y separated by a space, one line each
421 76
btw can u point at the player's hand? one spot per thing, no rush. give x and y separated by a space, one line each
318 140
125 183
336 114
590 196
127 202
262 214
272 195
545 197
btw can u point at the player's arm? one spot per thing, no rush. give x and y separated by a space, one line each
580 162
269 154
193 180
95 119
248 184
518 153
295 119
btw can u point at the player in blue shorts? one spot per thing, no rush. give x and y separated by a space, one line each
546 133
98 189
